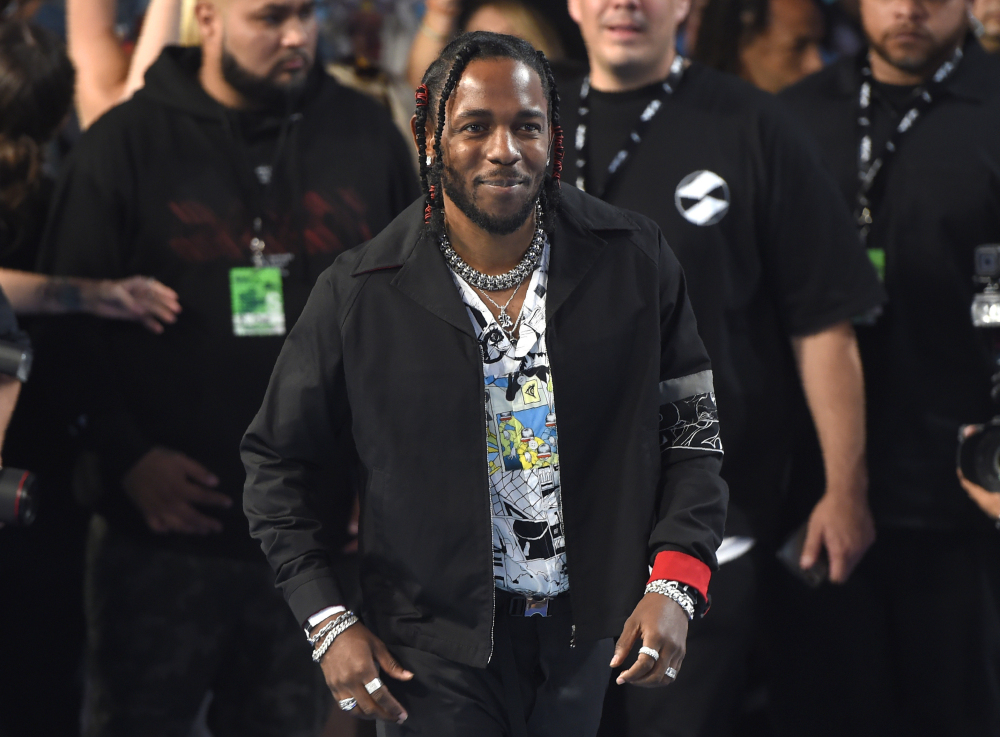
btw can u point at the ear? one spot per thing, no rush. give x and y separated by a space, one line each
574 10
413 131
681 10
428 136
206 14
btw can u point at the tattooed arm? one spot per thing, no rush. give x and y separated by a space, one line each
136 298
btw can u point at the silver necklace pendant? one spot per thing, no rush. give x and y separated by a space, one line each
503 319
507 326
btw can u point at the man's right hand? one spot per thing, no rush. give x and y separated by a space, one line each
352 661
165 484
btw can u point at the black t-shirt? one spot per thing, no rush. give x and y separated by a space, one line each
767 250
927 369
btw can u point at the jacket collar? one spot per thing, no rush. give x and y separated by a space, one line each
972 80
425 278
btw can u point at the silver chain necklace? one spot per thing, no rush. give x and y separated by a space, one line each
499 282
503 319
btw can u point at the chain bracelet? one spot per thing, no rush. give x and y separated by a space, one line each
313 639
671 590
346 620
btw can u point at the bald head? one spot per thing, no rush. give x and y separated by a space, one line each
255 51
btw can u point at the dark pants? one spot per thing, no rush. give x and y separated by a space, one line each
909 647
164 629
709 690
561 688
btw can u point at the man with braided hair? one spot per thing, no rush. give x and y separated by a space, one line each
497 569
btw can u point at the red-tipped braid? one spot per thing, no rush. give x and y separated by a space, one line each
558 153
421 96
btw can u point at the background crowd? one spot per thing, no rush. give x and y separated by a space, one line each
144 159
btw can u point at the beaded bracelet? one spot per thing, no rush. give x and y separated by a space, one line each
345 620
672 590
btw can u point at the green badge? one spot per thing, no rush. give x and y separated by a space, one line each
877 257
258 304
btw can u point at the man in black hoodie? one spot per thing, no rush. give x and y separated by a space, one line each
235 176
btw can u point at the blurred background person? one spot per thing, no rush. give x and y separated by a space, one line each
41 566
775 273
908 127
36 88
987 16
769 43
107 72
236 175
366 62
542 23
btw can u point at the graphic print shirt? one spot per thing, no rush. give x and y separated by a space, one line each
529 550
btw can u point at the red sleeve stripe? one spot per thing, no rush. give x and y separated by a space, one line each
673 566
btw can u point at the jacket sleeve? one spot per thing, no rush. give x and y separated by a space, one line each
693 497
286 453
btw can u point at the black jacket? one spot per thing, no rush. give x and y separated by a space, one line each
385 357
162 185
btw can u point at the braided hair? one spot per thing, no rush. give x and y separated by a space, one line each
440 81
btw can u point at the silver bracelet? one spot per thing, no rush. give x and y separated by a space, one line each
670 590
313 639
346 620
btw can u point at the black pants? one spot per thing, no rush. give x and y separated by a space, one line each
709 690
910 646
561 687
165 629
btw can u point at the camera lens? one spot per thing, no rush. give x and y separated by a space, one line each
17 503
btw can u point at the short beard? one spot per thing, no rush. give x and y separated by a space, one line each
263 92
492 224
920 65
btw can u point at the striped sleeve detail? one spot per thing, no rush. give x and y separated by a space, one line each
673 390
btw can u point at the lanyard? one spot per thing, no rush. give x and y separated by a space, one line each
259 183
868 167
666 88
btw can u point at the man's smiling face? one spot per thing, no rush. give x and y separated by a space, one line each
495 143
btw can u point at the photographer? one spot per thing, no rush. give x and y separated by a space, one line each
909 129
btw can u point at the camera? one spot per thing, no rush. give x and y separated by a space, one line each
17 501
979 445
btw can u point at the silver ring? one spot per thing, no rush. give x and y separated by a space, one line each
373 685
670 673
650 652
347 704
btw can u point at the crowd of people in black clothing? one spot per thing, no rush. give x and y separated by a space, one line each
176 176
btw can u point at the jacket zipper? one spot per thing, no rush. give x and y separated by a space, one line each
489 499
562 507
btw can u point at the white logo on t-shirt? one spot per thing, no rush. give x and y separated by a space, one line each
702 197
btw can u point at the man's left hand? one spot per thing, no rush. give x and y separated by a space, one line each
843 525
659 623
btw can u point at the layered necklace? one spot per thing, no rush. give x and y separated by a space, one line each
500 282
